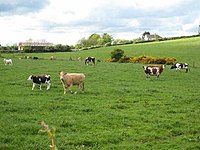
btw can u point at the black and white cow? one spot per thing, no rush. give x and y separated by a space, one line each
153 70
180 66
89 59
39 79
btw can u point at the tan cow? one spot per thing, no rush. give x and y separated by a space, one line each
70 79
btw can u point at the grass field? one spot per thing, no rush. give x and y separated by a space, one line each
120 109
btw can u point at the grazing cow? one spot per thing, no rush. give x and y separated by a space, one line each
39 79
8 61
70 79
35 57
89 59
153 70
52 58
180 66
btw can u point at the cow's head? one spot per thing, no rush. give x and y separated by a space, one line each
174 66
61 74
145 67
30 77
47 76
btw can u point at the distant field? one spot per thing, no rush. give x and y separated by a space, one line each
120 109
185 50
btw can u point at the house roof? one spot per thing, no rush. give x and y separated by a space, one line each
152 36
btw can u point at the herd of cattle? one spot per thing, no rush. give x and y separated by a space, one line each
70 79
158 69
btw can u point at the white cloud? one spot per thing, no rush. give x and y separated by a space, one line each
66 22
191 26
145 4
134 23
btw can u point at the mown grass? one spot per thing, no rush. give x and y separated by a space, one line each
120 109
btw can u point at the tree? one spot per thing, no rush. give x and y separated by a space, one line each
27 49
107 38
84 42
145 33
93 39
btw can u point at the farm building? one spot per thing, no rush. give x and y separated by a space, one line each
149 37
32 44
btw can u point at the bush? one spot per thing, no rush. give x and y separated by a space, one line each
145 60
112 60
124 59
117 53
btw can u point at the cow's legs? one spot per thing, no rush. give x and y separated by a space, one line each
148 76
93 62
78 88
64 88
40 86
33 86
158 75
70 88
48 85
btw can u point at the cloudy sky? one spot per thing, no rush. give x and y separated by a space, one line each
68 21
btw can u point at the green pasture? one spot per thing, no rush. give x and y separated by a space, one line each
119 110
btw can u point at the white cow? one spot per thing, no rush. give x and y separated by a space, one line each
8 61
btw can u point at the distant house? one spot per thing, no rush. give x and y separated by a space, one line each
150 37
38 44
74 50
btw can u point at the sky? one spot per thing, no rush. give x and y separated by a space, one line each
68 21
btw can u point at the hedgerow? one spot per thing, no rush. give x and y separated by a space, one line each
144 59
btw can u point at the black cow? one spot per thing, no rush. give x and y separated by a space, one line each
39 79
180 66
89 59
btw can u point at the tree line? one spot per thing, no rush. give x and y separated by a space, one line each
93 41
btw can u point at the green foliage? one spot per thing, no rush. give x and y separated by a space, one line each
117 53
118 56
95 40
27 49
107 38
122 42
9 48
55 48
